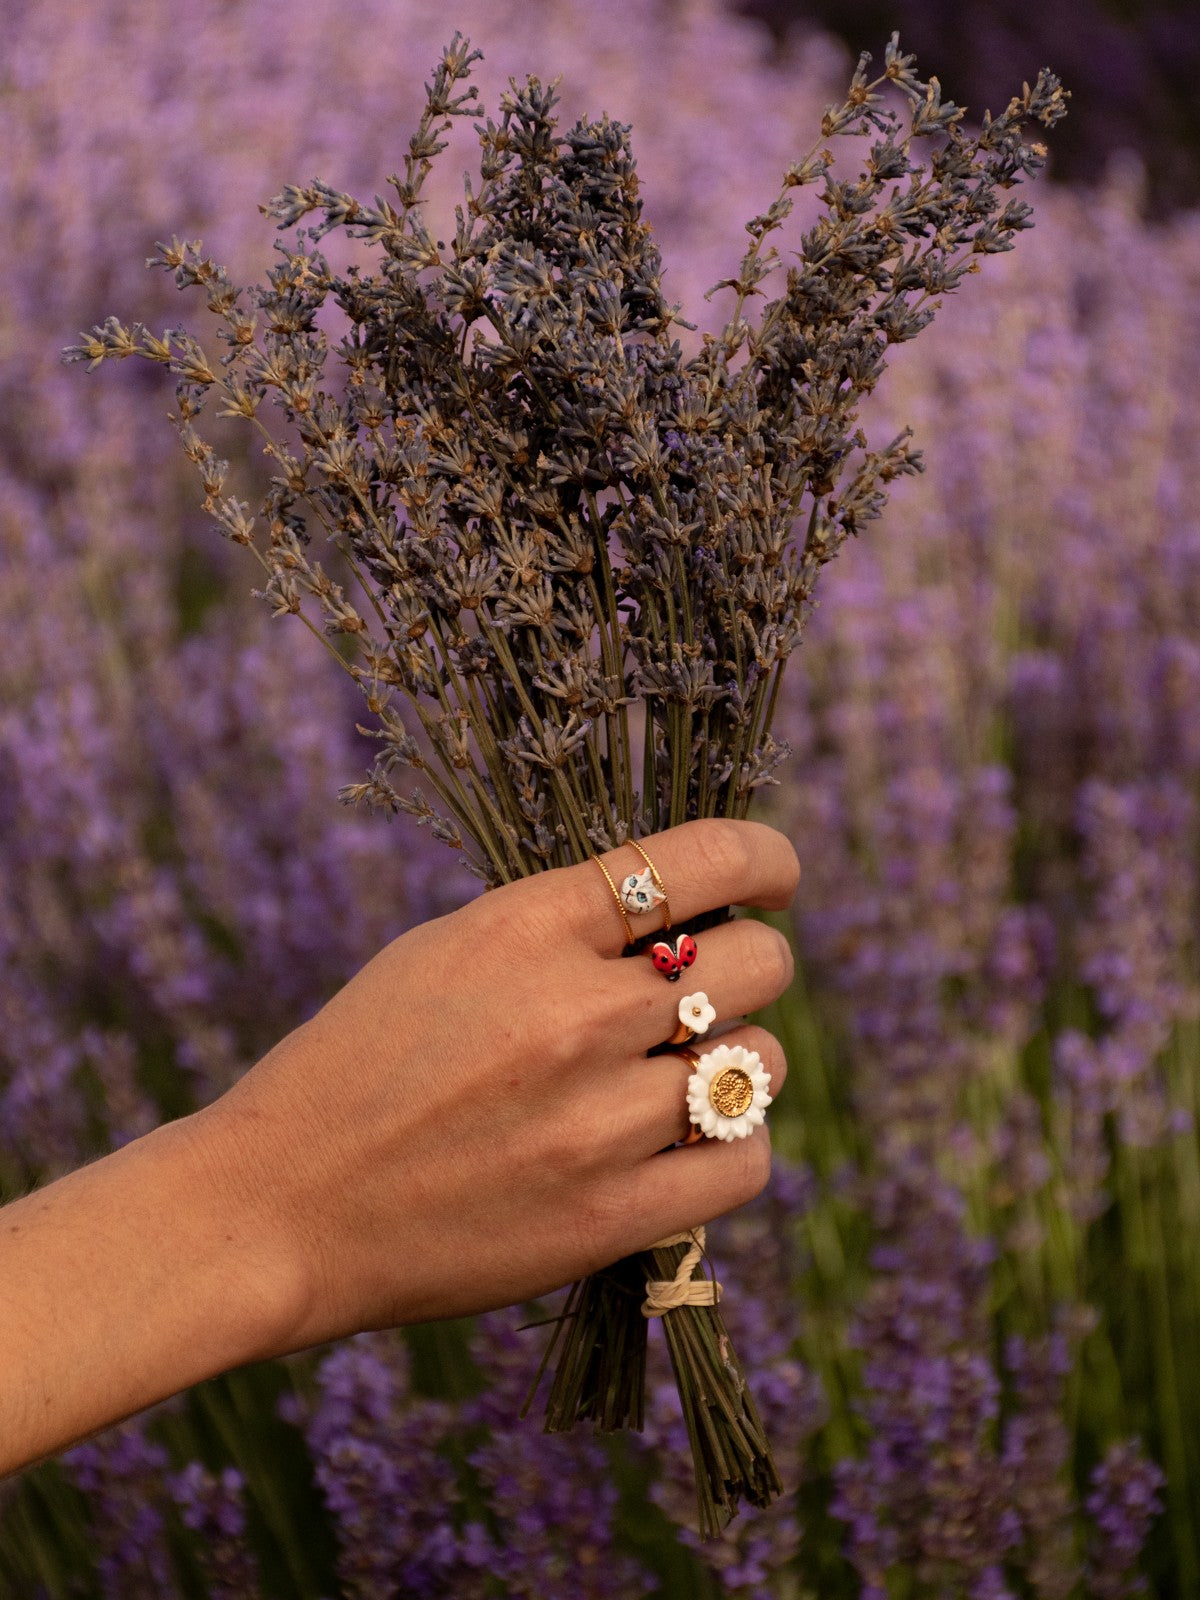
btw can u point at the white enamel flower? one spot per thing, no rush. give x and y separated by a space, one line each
696 1013
729 1092
640 893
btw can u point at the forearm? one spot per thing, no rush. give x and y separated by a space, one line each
128 1280
470 1122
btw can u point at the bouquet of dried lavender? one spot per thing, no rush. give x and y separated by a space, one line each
571 561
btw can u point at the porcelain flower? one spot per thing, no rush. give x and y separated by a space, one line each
696 1013
729 1092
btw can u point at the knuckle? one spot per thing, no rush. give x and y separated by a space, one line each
572 1037
558 1167
771 1052
500 923
771 960
523 920
751 1168
601 1214
586 1025
564 1152
722 854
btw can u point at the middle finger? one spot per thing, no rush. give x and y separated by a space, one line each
740 966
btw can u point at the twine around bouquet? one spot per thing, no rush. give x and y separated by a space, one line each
667 1294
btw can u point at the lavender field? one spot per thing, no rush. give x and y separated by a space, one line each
970 1299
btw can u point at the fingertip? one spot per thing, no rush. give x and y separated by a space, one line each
781 867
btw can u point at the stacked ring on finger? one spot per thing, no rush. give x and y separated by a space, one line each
696 1016
674 954
692 1057
644 891
608 878
727 1094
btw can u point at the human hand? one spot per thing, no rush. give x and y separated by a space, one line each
472 1121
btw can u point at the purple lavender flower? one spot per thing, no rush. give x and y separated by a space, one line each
213 1506
393 1495
1037 1454
552 1498
1124 1499
124 1475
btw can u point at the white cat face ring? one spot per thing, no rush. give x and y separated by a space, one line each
639 892
647 894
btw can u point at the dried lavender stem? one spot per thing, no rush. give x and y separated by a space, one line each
530 374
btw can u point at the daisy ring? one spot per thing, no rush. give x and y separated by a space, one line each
728 1093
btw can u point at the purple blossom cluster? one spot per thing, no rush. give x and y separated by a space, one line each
996 773
391 1493
553 1498
993 793
123 1473
1124 1499
430 1498
212 1505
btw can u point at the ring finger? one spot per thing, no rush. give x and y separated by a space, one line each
652 1094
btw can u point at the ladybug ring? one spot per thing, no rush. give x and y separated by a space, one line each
673 956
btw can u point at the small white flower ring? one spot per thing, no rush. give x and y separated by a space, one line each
696 1015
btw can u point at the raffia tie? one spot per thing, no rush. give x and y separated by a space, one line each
666 1294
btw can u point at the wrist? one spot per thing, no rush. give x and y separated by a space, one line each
132 1278
245 1172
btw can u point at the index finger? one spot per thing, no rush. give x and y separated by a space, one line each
713 862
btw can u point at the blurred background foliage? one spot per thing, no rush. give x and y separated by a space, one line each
971 1298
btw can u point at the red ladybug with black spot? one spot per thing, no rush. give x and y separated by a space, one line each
673 956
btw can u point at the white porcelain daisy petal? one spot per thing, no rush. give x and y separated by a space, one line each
728 1092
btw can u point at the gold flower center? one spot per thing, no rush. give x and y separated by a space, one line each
731 1092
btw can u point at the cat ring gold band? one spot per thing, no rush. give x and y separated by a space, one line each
638 892
616 893
643 891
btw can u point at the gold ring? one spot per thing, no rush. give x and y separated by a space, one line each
658 882
616 894
693 1134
